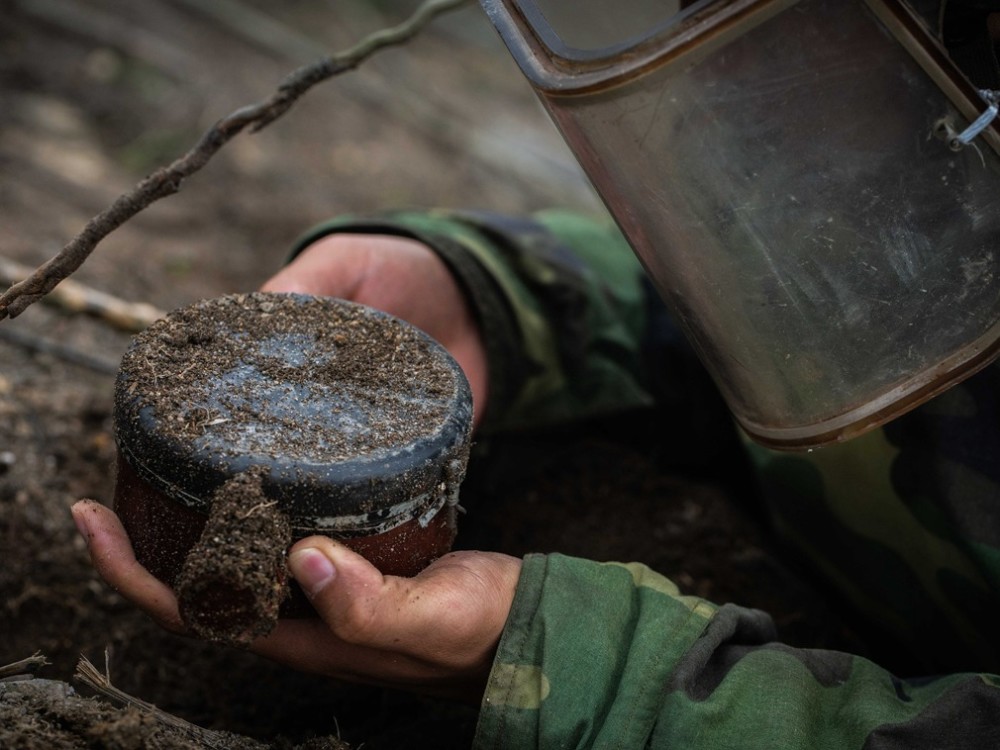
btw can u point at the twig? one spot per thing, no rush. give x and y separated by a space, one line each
167 180
88 674
23 669
78 298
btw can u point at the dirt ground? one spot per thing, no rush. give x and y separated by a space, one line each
96 93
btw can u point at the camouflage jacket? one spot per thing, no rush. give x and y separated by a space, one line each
904 521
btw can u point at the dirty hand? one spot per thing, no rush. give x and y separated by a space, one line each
435 633
401 276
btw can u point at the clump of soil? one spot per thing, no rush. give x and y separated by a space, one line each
234 579
48 714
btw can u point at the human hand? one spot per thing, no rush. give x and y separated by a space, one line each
435 633
402 277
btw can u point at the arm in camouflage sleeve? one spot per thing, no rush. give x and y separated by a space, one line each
611 655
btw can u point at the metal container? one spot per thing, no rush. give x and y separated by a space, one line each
357 422
791 176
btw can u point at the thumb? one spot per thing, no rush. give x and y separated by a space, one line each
354 599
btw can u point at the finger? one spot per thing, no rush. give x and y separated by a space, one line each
333 266
450 615
350 594
435 633
346 641
112 556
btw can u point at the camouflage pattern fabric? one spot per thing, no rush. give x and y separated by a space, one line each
904 521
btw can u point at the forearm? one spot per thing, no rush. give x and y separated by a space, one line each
602 655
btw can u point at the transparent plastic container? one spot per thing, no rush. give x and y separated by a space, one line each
788 174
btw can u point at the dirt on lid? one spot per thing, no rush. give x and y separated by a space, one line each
314 379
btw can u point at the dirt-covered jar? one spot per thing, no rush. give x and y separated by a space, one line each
248 421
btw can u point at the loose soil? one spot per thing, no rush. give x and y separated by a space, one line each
96 93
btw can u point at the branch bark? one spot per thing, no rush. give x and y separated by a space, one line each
23 669
79 298
167 180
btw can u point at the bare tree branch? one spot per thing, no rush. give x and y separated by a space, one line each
167 180
75 297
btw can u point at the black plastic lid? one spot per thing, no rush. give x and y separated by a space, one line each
361 420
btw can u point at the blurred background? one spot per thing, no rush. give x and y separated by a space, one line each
94 94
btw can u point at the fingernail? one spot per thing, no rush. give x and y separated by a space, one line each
312 569
78 511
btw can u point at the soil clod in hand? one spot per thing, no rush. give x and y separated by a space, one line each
234 579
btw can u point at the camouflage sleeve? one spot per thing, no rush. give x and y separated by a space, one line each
560 299
611 655
904 524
